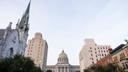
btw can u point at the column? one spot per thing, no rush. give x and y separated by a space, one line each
64 69
60 69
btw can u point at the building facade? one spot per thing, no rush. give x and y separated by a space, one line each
37 50
91 53
63 65
13 41
105 61
120 56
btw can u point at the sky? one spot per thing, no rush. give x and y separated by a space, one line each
65 24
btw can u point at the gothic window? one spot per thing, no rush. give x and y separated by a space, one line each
21 27
24 21
11 51
14 40
27 18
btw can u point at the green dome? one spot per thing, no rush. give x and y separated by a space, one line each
62 54
63 59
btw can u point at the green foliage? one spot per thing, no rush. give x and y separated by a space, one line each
49 71
18 63
109 68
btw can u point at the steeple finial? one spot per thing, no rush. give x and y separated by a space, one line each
28 7
25 18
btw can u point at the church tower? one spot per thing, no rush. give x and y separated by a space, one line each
23 28
23 25
13 41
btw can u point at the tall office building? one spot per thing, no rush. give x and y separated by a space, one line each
37 50
91 53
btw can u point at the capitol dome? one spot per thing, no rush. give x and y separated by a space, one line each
63 59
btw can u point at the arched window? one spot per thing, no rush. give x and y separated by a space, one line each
11 51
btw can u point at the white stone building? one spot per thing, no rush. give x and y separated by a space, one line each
91 53
63 65
13 41
37 50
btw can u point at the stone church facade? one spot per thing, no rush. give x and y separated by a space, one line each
63 65
13 41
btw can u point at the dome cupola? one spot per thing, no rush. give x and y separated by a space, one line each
63 59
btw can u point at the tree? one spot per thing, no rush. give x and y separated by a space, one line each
109 68
18 63
49 71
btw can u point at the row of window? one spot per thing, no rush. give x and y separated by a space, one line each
96 59
38 56
99 55
36 41
100 51
106 48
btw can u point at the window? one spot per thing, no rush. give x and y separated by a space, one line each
92 62
126 63
91 58
115 59
127 52
91 54
123 65
11 51
14 40
90 50
96 55
122 56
